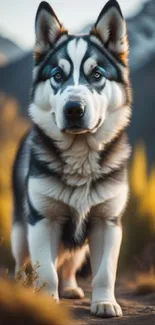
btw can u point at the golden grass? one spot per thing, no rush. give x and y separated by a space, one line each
31 278
145 283
138 171
12 128
147 206
143 185
19 305
25 301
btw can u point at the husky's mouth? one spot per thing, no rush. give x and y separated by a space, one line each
76 130
79 130
97 125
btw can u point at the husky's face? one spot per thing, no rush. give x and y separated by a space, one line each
79 79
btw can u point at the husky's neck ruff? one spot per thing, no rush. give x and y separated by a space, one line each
79 160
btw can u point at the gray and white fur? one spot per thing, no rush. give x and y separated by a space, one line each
70 182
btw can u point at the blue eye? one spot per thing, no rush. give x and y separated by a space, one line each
98 73
55 73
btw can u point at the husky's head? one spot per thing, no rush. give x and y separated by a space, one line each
79 79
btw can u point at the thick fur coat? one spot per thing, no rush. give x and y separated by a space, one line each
70 174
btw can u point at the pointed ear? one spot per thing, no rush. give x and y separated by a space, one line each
110 28
48 29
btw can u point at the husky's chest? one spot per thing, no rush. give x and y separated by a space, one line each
77 178
81 165
71 179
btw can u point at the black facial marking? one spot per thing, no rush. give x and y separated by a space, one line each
107 62
59 50
106 65
49 67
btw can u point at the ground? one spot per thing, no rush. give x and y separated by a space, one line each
137 310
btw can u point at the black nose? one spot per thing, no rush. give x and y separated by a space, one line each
74 110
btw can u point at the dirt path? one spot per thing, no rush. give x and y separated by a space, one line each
137 310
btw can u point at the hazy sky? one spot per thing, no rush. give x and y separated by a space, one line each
17 16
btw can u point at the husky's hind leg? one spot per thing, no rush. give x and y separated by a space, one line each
68 284
20 207
19 245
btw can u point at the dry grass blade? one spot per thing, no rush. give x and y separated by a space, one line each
30 279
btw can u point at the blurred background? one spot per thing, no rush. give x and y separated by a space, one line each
16 44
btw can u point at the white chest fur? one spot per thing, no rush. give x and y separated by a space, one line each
80 186
81 164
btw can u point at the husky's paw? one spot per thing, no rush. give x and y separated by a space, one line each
106 309
72 293
54 296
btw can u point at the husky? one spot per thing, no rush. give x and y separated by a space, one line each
70 181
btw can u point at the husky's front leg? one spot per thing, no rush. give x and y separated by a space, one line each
104 240
43 239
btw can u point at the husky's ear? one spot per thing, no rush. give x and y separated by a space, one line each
110 28
47 28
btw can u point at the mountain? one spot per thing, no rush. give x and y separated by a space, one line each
141 33
9 51
16 78
142 125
